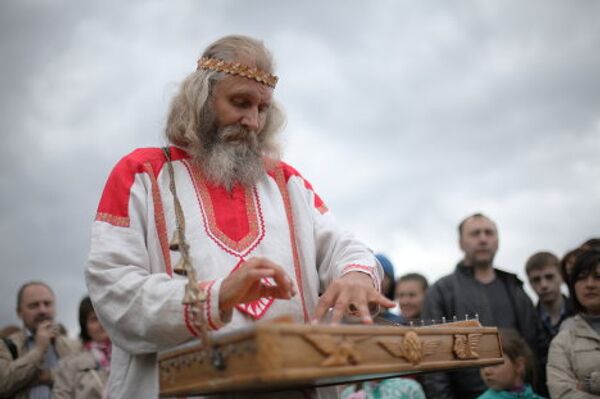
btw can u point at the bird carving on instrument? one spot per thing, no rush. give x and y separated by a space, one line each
338 351
466 346
410 347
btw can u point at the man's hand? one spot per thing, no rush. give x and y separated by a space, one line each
245 285
44 334
354 288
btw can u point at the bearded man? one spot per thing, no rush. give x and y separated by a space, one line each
262 242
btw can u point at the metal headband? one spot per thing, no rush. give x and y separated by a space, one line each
235 68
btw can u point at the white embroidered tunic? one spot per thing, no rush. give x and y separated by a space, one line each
129 273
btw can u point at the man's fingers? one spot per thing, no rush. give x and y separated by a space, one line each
381 300
255 274
325 302
359 303
282 280
364 313
340 308
274 291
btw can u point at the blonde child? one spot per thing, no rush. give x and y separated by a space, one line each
511 379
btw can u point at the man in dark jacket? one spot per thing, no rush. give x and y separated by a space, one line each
544 275
477 288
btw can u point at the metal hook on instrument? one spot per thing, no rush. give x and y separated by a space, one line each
217 360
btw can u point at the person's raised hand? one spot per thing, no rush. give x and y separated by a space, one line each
45 332
245 284
352 290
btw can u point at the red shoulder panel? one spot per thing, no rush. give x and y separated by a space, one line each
289 171
114 203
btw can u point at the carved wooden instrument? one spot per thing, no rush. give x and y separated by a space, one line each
280 355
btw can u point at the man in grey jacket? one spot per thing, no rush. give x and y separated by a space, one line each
477 288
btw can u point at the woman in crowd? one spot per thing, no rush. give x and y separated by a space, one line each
574 357
410 292
513 378
85 375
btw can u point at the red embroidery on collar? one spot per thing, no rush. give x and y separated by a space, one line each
234 222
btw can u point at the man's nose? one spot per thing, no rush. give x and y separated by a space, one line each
250 120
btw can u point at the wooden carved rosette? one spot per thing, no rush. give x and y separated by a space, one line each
271 356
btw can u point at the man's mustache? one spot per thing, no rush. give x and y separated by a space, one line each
42 317
238 133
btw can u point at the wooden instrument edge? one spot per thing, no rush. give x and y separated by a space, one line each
356 353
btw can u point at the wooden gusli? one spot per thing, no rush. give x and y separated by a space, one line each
279 355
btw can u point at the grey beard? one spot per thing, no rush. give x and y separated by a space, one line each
232 156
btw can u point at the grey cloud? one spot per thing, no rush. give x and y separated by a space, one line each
405 116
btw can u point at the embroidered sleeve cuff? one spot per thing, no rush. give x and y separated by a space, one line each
214 316
371 271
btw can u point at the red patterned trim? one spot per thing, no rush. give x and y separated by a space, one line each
253 214
187 316
188 321
356 266
289 172
282 185
117 190
322 209
119 221
208 306
159 219
257 308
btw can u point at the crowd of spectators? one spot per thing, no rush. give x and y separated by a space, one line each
559 334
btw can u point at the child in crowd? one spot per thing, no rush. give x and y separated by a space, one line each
513 378
392 388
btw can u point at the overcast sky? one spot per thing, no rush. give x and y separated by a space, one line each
406 116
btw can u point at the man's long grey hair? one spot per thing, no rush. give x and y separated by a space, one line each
191 118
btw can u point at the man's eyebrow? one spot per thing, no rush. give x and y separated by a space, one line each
242 92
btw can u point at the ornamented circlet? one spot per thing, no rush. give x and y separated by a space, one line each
235 68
